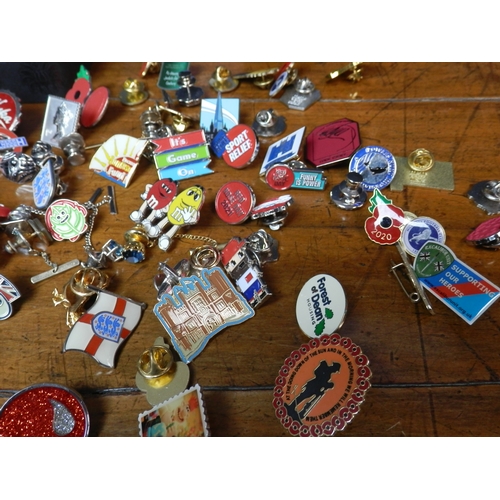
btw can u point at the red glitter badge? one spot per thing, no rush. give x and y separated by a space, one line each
44 410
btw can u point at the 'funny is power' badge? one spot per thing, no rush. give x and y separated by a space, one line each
321 306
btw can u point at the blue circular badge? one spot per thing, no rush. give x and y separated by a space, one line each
419 231
377 166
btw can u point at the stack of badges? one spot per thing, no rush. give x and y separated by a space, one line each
321 384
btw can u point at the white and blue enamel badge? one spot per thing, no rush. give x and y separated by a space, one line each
198 308
8 294
104 327
462 289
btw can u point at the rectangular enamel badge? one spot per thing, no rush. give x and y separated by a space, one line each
462 289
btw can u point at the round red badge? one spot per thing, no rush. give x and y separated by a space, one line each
44 410
280 177
10 110
321 385
8 134
234 202
95 106
242 147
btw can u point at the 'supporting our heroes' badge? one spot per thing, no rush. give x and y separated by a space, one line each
462 289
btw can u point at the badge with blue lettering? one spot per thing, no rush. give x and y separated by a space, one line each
284 150
377 166
281 177
321 306
462 289
420 230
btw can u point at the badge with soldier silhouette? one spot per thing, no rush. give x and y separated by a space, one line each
321 385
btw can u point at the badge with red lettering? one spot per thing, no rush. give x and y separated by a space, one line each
241 146
321 386
321 306
453 282
234 202
10 110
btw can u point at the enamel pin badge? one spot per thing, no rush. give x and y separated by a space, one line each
117 159
321 386
104 327
321 306
8 294
198 308
453 282
44 410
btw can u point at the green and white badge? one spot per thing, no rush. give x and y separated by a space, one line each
463 290
321 306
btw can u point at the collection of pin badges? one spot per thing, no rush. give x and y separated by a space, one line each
322 383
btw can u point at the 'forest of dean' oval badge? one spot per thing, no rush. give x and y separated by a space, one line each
321 385
321 306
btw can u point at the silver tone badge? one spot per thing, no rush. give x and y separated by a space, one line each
301 95
486 195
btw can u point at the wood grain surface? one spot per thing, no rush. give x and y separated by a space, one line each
433 375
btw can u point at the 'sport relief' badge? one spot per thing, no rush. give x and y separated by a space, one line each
321 385
462 289
321 306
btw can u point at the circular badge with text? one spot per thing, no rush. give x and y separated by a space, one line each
280 177
321 306
419 231
321 385
242 147
376 164
234 202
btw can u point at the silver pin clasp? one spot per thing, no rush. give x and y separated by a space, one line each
418 292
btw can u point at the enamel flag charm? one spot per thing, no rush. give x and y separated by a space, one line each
104 327
8 294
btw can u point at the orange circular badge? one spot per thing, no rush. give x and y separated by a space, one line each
321 385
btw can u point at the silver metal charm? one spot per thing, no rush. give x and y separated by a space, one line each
302 95
349 194
188 95
486 195
268 124
73 146
18 167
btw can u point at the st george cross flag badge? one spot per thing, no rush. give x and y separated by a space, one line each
104 327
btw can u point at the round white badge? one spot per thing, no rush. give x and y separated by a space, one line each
321 306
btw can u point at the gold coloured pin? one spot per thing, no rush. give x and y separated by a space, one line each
353 67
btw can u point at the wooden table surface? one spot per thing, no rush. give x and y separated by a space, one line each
433 375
